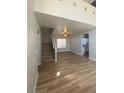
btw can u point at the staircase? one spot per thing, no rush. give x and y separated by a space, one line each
47 53
47 56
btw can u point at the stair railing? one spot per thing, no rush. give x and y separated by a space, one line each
54 47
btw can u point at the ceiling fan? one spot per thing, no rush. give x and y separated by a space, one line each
65 33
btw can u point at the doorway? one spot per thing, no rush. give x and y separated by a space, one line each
86 44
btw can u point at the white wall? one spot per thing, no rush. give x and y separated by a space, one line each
75 44
32 47
64 9
92 44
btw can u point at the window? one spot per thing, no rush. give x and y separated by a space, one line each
61 43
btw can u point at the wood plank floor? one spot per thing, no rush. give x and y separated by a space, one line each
72 74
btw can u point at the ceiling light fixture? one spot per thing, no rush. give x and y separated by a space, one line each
65 35
85 8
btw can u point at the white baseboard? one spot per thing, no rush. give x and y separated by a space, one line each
92 59
34 90
62 51
76 53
